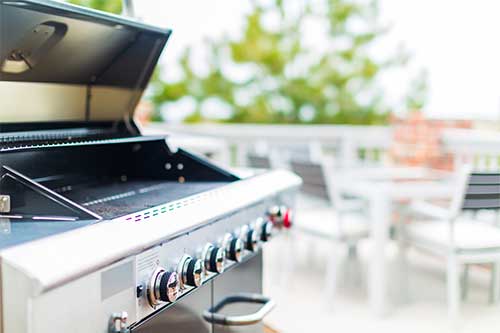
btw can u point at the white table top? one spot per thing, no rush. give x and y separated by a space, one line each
398 183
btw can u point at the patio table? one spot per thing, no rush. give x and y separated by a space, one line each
382 188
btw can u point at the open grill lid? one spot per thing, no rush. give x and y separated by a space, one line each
65 67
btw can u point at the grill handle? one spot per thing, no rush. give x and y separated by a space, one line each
212 316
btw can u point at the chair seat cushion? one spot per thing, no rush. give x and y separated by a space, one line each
323 222
468 234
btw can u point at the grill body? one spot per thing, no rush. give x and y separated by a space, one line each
103 229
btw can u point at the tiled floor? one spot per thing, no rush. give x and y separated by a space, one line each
303 307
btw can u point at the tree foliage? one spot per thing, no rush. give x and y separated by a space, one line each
110 6
417 95
286 80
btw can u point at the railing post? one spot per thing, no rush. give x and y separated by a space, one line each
241 154
128 8
348 153
224 155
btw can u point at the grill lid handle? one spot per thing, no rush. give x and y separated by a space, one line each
212 316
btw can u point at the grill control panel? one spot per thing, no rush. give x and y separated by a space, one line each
168 271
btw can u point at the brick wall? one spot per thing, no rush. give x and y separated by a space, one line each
417 141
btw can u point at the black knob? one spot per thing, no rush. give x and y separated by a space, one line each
252 240
192 272
164 287
215 259
235 249
266 231
169 287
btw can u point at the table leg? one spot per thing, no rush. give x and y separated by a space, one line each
380 212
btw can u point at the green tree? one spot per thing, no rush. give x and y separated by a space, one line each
417 95
286 81
111 6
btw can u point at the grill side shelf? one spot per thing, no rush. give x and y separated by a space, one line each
31 200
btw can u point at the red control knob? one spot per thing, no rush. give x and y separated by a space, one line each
287 218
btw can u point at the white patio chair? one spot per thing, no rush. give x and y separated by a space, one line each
463 240
324 213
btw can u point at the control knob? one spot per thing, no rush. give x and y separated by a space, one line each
281 216
251 237
215 258
234 247
163 287
265 228
191 271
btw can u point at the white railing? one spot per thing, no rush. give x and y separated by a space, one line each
351 145
480 148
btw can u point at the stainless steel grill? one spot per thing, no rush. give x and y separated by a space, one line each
103 229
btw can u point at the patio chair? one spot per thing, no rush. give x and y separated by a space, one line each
463 240
324 213
259 161
266 155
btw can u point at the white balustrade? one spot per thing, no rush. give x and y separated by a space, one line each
477 147
349 145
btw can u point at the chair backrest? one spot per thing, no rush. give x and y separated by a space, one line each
259 161
483 192
313 178
475 191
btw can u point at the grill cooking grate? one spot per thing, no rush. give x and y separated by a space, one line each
111 200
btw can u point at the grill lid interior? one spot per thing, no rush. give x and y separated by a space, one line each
65 64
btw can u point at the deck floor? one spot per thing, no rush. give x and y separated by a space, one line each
303 307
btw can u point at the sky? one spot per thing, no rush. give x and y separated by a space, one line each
454 41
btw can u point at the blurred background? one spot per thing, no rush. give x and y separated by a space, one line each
380 106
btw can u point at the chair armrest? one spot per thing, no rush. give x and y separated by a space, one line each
425 208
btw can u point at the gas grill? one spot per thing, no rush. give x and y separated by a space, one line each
103 229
